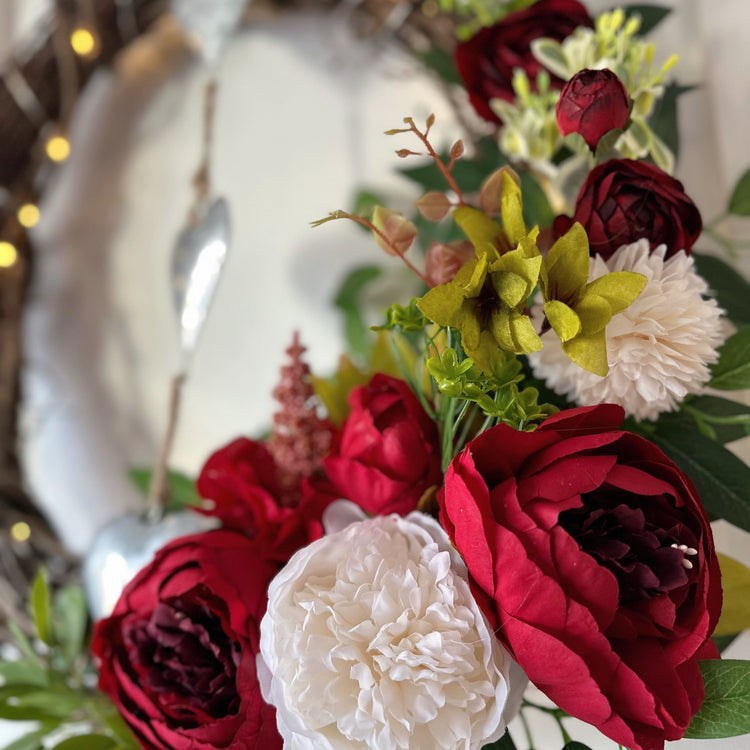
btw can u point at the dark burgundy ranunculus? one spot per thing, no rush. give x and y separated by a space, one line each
241 480
486 61
599 560
388 454
178 654
623 201
592 103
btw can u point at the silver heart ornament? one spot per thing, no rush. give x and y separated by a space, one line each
124 547
197 259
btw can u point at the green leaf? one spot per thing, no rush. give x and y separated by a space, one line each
69 620
723 642
12 711
365 202
349 301
730 289
739 203
663 120
722 479
30 741
504 743
59 703
721 408
651 15
41 606
441 62
536 208
24 644
87 742
576 746
732 371
182 492
726 710
27 673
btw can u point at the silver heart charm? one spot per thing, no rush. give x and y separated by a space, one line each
196 266
210 22
125 547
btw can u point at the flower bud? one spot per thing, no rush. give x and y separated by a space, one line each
492 188
592 103
433 205
398 232
442 262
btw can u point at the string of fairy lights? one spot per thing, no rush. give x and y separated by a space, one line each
76 40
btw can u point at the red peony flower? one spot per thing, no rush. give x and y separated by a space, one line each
242 481
178 654
389 453
623 201
486 61
592 103
600 562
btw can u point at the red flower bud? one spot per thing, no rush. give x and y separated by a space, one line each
592 103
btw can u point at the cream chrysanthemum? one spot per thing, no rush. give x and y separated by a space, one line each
658 349
374 641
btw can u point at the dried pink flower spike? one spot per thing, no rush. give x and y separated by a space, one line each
300 439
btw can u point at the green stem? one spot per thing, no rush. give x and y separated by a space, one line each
526 729
448 431
465 431
714 419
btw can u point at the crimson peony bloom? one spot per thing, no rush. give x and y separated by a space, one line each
486 61
241 480
592 103
178 654
599 561
389 453
623 201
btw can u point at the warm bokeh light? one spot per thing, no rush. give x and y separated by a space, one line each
20 531
28 215
8 255
58 148
83 42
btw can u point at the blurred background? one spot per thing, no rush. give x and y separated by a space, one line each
304 95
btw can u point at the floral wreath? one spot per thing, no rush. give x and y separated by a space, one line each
510 483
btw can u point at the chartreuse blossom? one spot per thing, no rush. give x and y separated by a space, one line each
487 300
579 311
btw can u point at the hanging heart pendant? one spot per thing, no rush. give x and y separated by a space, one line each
197 258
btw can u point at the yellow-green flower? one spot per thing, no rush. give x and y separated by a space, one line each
486 301
577 310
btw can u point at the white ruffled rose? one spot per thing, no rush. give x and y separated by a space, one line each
373 639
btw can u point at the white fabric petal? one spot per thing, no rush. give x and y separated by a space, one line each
374 641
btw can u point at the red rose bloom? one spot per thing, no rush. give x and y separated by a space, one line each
241 480
623 201
486 61
600 561
592 103
389 453
178 654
